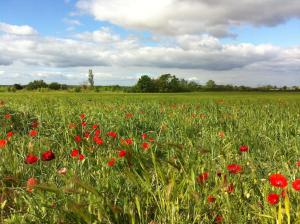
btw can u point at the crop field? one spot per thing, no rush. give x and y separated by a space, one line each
150 158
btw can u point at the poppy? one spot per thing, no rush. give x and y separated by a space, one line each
122 153
202 177
87 135
298 163
31 159
33 133
221 134
129 141
83 124
31 182
77 138
151 139
244 148
81 157
112 134
144 136
211 199
82 116
3 143
234 168
48 155
94 126
278 180
296 184
111 162
273 198
145 145
98 140
9 134
74 153
97 132
7 116
218 219
129 115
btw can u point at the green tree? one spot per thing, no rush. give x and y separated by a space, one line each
36 84
210 84
145 85
91 78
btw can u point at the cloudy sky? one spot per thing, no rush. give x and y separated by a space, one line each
249 42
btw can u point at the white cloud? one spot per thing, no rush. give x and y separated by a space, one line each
191 16
17 30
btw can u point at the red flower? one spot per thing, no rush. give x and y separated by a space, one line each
31 159
98 140
81 157
129 115
7 116
144 136
244 148
97 132
9 134
74 153
122 153
31 182
278 180
221 134
298 163
218 219
145 145
230 188
82 116
83 124
234 168
211 199
94 126
273 198
296 184
111 162
202 177
77 138
112 134
129 141
48 155
33 133
3 143
87 135
151 139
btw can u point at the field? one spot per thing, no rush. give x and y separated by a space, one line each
149 158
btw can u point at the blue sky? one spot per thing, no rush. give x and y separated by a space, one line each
121 40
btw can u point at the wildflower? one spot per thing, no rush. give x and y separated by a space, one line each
112 134
151 139
218 219
87 135
81 157
111 162
97 132
145 145
62 171
296 184
98 140
9 134
31 182
3 143
221 134
122 153
72 125
273 198
33 133
129 115
129 141
7 116
144 136
31 159
230 188
77 138
211 199
278 180
83 124
244 148
298 163
202 177
94 126
48 155
74 153
234 168
82 116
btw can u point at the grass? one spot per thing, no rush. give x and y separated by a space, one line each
159 184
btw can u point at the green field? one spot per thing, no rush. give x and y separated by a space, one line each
187 135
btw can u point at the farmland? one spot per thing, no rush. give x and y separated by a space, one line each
149 158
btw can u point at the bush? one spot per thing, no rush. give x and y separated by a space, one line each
36 84
54 86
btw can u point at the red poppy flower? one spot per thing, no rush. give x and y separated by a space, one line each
81 157
202 177
111 162
97 132
234 168
230 188
129 141
211 199
273 198
218 219
151 140
296 184
122 153
3 143
112 134
83 124
31 182
48 155
244 148
77 138
82 116
129 115
221 134
144 136
31 159
145 145
298 163
94 126
7 116
9 134
87 135
33 133
74 153
278 180
98 140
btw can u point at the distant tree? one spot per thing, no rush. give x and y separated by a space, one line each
36 84
210 84
91 78
18 86
54 86
145 84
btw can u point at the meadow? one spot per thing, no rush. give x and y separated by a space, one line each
149 158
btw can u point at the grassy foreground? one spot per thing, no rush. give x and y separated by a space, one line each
148 158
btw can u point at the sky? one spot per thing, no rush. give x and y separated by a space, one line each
246 42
